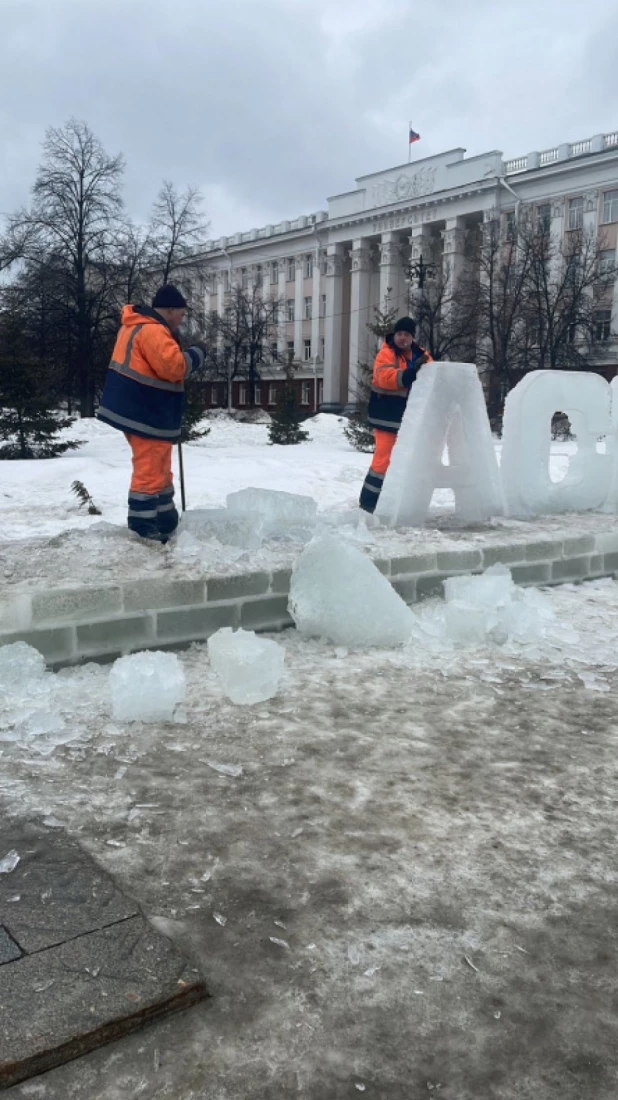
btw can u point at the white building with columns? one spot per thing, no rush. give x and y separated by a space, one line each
331 268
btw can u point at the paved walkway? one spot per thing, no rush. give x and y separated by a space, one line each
79 965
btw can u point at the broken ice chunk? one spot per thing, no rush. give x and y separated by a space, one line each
249 668
20 663
147 687
494 586
336 592
278 513
9 863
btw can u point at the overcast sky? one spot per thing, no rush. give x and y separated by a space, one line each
269 106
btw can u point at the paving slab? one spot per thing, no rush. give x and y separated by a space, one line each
79 964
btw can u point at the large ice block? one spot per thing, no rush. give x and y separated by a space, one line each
336 592
278 513
249 668
147 687
526 442
446 408
231 529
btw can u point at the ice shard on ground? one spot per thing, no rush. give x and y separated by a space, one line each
249 668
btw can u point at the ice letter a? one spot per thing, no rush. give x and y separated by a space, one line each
528 411
446 407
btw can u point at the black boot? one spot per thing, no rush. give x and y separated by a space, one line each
370 491
143 516
167 516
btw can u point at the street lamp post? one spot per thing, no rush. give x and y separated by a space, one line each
418 271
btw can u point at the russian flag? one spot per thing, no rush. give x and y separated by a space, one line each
414 136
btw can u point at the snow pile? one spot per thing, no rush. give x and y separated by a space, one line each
147 687
249 668
336 592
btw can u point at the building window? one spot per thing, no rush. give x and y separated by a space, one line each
308 309
323 305
290 351
576 213
289 309
322 346
543 218
244 278
242 395
214 395
273 353
571 334
307 350
291 271
320 391
305 393
610 206
602 325
308 267
510 226
323 265
226 280
272 395
274 271
607 263
258 275
257 395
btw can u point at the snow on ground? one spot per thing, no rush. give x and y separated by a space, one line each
400 881
45 536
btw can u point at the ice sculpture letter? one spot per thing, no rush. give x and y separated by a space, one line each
446 407
526 441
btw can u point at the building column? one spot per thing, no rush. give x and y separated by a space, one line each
333 329
453 254
390 272
298 308
360 294
281 337
315 324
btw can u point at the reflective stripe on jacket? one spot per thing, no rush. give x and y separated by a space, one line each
387 401
144 391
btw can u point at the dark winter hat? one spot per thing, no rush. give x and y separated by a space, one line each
169 297
405 324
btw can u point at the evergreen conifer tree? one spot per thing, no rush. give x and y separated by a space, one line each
358 431
285 422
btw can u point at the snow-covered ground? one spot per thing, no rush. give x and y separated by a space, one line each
45 537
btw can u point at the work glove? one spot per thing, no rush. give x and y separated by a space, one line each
194 358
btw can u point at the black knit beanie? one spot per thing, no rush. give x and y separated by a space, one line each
405 324
168 297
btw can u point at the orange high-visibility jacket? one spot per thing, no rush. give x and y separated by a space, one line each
143 393
389 394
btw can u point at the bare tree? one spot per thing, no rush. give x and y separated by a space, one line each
447 316
563 286
247 328
73 220
503 334
176 228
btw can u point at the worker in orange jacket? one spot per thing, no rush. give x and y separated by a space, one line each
394 371
143 397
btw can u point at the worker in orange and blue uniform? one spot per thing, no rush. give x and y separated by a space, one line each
394 371
143 397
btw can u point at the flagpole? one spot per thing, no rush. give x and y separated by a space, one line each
409 143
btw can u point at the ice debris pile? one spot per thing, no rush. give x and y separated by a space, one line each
26 689
252 516
249 668
147 687
337 592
